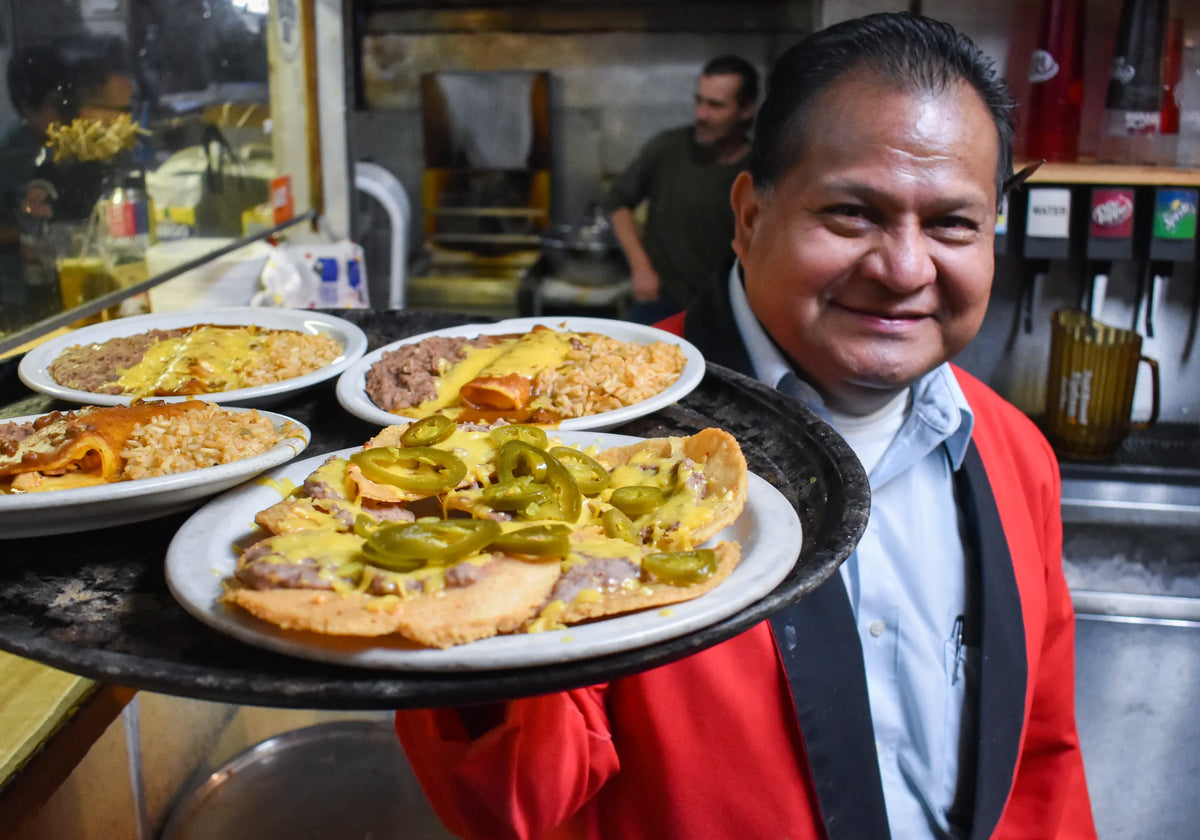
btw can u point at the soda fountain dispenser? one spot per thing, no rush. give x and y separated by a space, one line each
1110 234
1172 241
1048 224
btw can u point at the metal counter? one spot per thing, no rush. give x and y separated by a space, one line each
1131 546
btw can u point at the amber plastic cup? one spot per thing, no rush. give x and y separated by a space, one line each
83 279
1089 395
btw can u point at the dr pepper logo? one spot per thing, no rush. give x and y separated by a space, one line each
1112 214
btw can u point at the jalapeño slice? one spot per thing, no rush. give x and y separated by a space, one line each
681 568
364 525
515 494
420 469
618 526
552 539
590 475
533 435
428 430
564 490
407 546
635 500
517 458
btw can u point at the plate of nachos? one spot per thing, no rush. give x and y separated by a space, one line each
486 548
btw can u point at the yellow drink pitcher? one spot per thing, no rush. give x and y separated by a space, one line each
1089 393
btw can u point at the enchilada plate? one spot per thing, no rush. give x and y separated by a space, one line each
87 508
202 555
34 368
352 384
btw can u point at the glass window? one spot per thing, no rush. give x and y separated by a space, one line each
127 124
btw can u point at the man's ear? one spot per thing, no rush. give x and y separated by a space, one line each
745 201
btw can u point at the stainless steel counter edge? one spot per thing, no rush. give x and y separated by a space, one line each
1124 606
1130 503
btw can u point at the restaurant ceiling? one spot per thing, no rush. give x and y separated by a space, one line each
418 16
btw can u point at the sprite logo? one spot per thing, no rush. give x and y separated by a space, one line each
1175 214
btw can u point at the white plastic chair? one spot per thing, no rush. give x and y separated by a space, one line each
383 187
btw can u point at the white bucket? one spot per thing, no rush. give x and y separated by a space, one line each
228 280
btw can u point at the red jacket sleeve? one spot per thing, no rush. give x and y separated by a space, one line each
524 778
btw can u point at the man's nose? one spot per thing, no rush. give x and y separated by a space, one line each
900 259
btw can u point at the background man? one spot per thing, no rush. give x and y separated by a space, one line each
685 175
927 689
39 87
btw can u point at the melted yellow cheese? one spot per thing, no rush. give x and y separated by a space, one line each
457 375
215 355
284 487
326 547
476 449
533 352
548 618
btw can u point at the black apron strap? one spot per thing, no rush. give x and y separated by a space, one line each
819 644
993 626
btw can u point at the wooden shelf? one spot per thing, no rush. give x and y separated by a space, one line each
1085 172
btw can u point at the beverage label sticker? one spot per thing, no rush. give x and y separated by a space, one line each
1049 214
1175 213
1112 213
283 206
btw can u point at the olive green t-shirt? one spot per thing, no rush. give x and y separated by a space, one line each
689 223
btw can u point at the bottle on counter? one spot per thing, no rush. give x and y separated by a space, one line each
1187 93
1056 83
1133 104
1172 72
128 217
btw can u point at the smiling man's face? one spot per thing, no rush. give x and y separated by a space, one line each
870 261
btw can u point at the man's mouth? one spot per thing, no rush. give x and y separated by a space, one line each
893 317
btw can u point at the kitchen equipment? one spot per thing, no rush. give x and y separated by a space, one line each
587 253
1089 393
337 779
487 154
485 188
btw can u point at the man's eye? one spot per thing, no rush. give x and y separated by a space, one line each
850 210
956 222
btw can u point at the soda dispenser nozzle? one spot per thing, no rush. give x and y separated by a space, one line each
1172 240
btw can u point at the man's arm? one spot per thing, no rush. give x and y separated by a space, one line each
645 278
511 771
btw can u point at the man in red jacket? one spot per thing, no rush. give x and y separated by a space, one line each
927 689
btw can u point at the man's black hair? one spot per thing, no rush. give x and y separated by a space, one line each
905 50
732 65
35 74
92 60
70 68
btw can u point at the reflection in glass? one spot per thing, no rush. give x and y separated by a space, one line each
124 124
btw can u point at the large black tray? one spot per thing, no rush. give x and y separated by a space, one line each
97 604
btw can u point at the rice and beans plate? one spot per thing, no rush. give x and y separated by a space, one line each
543 376
103 445
194 360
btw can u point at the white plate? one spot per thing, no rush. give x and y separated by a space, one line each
122 502
34 368
352 385
201 555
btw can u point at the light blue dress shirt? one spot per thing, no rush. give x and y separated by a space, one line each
906 581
